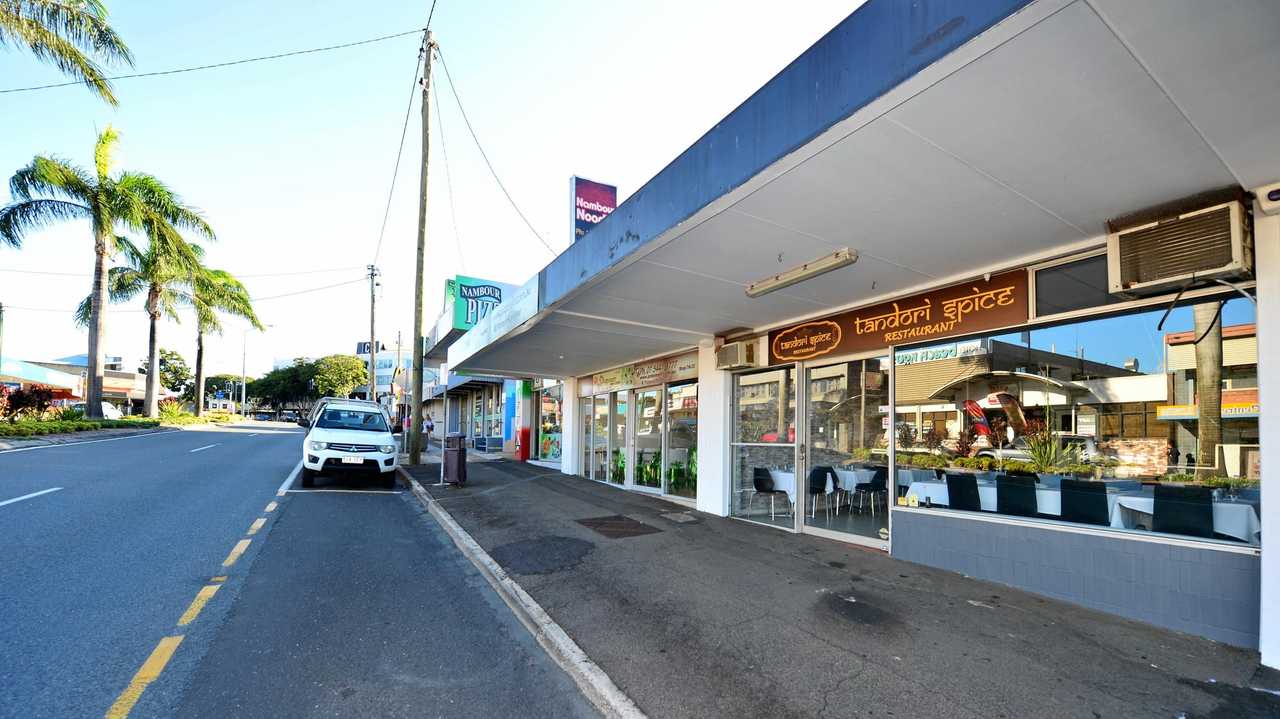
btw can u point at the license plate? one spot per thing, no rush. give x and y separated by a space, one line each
353 460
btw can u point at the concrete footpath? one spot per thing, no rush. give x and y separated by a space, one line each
693 615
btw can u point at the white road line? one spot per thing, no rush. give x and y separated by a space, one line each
343 491
207 446
87 441
255 434
289 480
29 496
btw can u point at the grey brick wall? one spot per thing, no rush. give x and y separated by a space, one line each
1207 592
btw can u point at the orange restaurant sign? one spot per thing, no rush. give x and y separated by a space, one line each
957 310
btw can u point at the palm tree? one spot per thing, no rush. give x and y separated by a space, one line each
66 33
164 273
51 189
215 291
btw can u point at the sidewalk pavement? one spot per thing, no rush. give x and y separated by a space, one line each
705 616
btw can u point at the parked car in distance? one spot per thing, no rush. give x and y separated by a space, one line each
349 435
109 411
288 415
1085 446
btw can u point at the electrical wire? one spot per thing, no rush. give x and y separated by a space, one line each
395 171
255 299
448 181
453 88
237 275
229 63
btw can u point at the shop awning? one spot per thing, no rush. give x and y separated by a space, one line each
12 370
939 139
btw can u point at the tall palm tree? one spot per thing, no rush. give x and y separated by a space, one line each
66 33
51 189
213 292
164 274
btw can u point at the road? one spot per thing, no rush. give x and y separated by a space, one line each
164 575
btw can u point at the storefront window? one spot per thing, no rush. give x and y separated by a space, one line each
549 423
763 447
1110 422
618 437
648 439
600 438
584 443
682 440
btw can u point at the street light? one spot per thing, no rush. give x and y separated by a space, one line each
244 354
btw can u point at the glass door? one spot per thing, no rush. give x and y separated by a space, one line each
618 437
600 438
584 443
763 447
682 440
647 472
846 473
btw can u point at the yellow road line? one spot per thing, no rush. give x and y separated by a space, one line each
202 598
220 578
257 524
148 673
270 507
236 551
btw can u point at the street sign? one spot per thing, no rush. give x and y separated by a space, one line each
219 395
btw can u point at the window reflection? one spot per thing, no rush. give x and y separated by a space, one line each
1111 422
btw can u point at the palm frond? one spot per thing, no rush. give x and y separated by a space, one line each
84 311
52 176
66 34
152 195
103 150
19 218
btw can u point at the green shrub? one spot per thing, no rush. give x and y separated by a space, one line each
1016 467
929 461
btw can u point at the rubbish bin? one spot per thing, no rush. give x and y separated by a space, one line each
455 459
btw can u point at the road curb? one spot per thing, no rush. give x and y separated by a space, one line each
590 678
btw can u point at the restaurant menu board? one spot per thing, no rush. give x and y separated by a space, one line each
644 374
962 309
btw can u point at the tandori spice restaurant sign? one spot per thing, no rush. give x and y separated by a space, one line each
957 310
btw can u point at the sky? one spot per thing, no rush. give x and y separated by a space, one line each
291 160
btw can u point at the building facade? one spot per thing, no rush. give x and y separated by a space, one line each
887 301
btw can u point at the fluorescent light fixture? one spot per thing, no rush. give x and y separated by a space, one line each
809 270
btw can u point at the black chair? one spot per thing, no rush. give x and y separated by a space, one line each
763 482
818 477
1016 495
878 485
962 492
1084 502
1183 510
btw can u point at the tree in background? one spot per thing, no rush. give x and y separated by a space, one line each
289 387
338 375
163 272
215 383
51 190
69 34
215 292
175 375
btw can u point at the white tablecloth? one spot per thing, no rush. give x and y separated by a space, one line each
1234 519
851 478
1048 501
785 481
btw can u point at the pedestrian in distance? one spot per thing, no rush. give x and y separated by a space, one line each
428 427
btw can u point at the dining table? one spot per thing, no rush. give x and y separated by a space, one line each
1234 518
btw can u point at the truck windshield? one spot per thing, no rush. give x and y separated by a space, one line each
352 419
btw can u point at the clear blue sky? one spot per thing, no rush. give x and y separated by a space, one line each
291 159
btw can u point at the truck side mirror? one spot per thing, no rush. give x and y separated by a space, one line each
304 422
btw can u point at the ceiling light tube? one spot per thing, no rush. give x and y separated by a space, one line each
809 270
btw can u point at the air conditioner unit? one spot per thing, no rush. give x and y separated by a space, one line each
736 355
1206 244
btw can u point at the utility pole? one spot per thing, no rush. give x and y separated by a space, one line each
373 337
415 381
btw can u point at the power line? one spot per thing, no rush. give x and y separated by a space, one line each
255 299
453 89
395 172
237 275
448 181
229 63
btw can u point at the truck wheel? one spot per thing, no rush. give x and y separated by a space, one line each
308 477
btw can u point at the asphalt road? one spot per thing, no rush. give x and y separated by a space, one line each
336 603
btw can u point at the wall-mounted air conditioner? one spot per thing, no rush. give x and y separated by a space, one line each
736 355
1201 245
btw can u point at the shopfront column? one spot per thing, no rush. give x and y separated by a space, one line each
570 451
1266 238
714 476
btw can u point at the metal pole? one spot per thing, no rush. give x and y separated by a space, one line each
373 339
444 432
244 355
415 426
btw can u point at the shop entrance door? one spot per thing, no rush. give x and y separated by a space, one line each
845 450
763 448
646 439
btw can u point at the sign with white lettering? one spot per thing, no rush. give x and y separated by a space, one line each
592 202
